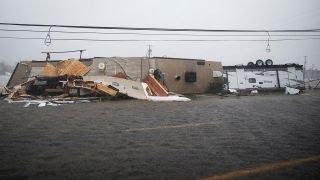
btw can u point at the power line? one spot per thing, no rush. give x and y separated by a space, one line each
152 34
156 29
158 40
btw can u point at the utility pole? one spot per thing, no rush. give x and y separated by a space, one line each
141 69
305 63
149 53
304 71
48 56
81 53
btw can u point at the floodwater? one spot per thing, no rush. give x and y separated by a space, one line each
132 139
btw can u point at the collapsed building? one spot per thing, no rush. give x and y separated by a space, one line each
157 78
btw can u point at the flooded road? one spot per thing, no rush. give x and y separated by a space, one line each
134 139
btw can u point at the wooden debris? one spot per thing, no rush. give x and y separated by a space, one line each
66 67
90 84
7 90
106 89
49 70
155 86
13 95
72 67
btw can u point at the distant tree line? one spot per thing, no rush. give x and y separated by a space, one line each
5 67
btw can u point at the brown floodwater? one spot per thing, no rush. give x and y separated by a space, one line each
133 139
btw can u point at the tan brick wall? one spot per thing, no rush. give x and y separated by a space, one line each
171 68
131 66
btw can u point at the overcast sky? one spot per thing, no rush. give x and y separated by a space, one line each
209 14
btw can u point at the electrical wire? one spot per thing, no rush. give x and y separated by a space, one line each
159 40
156 29
150 34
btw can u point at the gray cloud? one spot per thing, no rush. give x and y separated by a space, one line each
226 14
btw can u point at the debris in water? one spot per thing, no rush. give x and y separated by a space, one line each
290 90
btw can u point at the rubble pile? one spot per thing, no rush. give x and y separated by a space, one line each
67 83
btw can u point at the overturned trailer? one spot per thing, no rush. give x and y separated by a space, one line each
267 77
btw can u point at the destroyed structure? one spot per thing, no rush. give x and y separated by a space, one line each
155 79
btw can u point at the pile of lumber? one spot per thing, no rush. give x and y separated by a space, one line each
155 87
66 67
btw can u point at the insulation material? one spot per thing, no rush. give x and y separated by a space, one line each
49 70
72 67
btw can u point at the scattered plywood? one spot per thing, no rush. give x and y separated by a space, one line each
106 89
66 67
72 67
155 86
49 70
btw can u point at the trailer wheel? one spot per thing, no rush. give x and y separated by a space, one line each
250 64
269 62
259 62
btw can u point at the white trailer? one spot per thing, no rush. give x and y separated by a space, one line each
267 77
